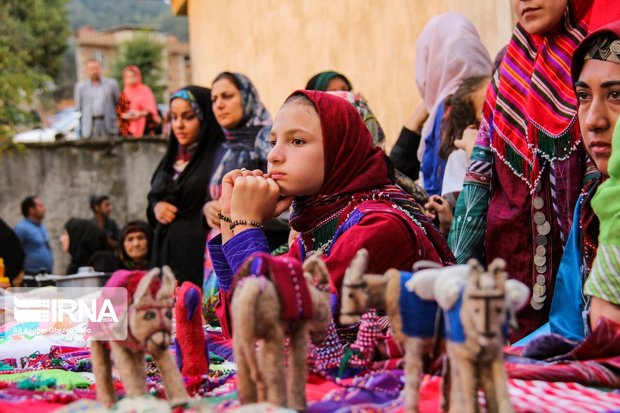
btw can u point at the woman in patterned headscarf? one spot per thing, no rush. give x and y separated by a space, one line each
246 124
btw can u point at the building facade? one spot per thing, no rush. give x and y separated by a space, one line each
281 44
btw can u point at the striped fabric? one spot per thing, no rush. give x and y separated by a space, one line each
525 396
604 280
531 105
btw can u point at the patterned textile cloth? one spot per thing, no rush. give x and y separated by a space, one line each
325 357
363 349
370 120
593 362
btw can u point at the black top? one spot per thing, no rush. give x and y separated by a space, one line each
88 247
181 244
11 251
404 154
110 227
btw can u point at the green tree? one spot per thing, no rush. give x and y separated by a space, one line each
147 55
33 37
104 14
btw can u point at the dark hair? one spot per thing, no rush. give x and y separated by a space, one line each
96 200
459 113
230 76
326 77
28 203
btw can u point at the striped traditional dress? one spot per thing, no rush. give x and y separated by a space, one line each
527 168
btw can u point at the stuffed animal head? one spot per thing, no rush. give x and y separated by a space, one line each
354 297
484 302
316 274
150 311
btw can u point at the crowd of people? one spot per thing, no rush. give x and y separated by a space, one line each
511 155
93 244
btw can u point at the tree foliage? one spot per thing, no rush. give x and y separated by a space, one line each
33 37
147 55
104 14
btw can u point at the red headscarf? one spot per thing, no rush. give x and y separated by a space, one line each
352 163
140 97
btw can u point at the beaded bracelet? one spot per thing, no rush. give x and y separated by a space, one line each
224 218
245 222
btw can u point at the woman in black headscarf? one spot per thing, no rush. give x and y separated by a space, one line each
88 246
180 182
135 246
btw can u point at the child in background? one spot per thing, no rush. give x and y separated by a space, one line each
463 113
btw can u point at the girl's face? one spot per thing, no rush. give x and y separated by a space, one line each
539 16
136 245
185 122
130 78
296 161
598 93
226 103
64 240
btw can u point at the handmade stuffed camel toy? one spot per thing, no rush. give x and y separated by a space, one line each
191 344
275 298
477 313
412 318
149 320
410 302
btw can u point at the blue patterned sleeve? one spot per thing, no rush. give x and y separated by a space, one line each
229 257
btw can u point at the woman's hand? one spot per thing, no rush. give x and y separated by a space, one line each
468 140
165 212
255 198
211 210
439 208
228 182
416 121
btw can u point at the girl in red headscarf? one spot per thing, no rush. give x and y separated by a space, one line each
141 102
323 162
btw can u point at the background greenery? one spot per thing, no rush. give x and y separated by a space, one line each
33 38
146 55
37 58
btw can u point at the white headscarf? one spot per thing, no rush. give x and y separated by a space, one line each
448 51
